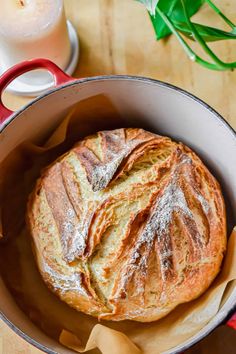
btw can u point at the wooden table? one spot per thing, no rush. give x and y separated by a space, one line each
116 37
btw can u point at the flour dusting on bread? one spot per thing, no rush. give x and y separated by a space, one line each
127 225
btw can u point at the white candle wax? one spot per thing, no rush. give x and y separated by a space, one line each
33 29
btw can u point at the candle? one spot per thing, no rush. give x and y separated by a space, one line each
33 29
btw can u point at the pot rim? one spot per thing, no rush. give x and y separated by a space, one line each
121 77
46 350
160 83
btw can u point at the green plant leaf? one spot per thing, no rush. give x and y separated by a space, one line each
174 10
150 5
161 29
173 16
209 34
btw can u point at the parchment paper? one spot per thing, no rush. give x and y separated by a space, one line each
74 329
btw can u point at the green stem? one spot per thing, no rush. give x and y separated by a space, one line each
198 37
206 48
169 23
217 10
191 54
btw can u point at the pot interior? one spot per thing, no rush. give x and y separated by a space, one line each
144 103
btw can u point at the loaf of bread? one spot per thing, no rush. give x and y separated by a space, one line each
127 225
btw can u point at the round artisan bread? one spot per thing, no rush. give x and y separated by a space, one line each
127 225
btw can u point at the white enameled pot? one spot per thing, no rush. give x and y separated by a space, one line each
143 102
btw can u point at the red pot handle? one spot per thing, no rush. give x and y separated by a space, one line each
60 77
232 322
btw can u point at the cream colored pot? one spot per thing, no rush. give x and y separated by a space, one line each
142 102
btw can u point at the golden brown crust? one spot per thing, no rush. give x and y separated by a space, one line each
127 225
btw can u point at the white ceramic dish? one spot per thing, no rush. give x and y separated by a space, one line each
21 88
147 103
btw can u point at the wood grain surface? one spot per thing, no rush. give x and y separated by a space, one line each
116 37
